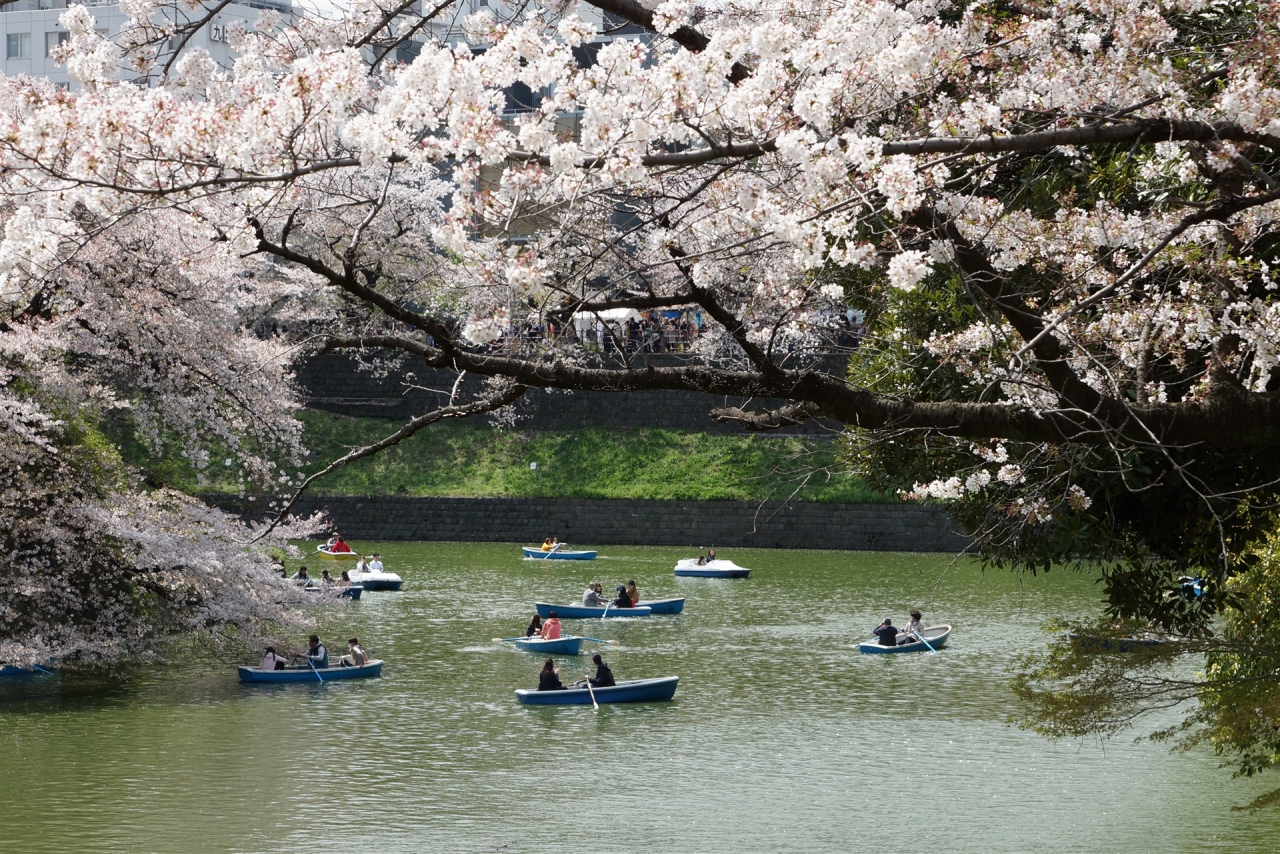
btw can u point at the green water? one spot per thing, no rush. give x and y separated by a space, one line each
781 737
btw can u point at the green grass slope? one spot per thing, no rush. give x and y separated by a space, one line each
471 459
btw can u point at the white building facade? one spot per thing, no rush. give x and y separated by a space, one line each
31 31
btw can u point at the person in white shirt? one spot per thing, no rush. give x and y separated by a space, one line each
356 656
271 661
375 565
916 625
592 598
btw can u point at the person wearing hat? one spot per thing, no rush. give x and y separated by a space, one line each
623 600
887 634
592 597
633 592
271 661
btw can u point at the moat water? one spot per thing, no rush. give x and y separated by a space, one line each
781 737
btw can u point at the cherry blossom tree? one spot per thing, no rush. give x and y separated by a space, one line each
1056 217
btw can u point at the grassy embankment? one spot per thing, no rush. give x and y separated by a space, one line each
473 460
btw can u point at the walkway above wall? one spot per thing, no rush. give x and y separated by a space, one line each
588 522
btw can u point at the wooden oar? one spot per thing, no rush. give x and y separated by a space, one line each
602 640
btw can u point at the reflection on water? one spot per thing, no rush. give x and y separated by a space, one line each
781 737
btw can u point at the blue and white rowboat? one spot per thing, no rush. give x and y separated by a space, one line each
589 612
664 606
563 645
636 691
557 554
935 635
306 674
690 568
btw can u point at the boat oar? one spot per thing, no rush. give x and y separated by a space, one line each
602 640
42 670
925 642
605 613
592 692
313 670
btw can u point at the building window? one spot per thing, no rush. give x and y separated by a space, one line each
18 46
52 40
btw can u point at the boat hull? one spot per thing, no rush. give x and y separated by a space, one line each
564 645
664 606
306 674
689 568
936 636
638 691
584 612
352 592
376 580
559 554
324 554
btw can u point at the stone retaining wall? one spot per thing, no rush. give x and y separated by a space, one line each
587 522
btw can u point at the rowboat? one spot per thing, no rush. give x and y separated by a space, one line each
306 674
1099 643
935 635
371 579
12 670
352 592
324 553
664 606
589 612
634 691
563 645
557 554
690 568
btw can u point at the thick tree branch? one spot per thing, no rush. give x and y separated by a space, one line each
687 37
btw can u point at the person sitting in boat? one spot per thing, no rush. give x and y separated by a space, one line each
623 600
633 593
344 580
375 565
271 661
915 625
325 578
333 539
711 555
534 628
355 656
546 545
887 634
604 676
592 597
301 576
338 545
549 677
551 628
316 653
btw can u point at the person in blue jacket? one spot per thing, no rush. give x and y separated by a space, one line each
887 634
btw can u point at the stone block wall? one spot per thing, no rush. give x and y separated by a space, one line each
587 522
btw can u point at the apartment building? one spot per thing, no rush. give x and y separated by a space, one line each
31 31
